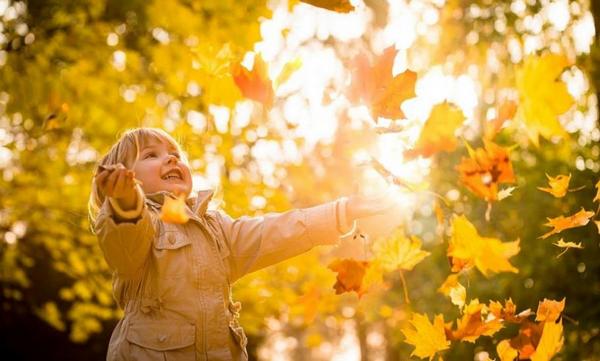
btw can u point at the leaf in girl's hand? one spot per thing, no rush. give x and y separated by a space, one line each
374 85
437 134
566 246
340 6
550 310
473 323
173 210
399 252
485 169
543 96
561 223
453 289
558 185
467 248
350 274
254 84
427 338
288 70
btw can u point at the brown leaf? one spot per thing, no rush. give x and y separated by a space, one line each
350 274
561 223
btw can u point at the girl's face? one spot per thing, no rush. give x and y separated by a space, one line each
160 168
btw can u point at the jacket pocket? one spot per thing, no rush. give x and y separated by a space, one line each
161 340
172 253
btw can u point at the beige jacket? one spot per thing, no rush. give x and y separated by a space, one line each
174 280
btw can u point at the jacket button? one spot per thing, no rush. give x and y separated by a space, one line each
162 338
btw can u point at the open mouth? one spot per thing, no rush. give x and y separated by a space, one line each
173 174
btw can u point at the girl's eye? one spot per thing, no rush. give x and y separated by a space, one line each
149 155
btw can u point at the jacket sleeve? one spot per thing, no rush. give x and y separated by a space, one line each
125 237
258 242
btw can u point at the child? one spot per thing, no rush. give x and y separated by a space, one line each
174 280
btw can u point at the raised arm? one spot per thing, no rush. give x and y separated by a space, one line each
124 226
257 242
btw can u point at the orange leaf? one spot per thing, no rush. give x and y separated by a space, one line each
254 84
485 169
549 310
340 6
558 185
505 351
173 210
350 275
550 343
473 324
375 86
528 338
508 311
437 134
561 223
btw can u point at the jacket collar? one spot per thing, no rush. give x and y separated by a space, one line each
197 204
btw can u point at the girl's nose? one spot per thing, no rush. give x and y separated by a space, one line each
171 159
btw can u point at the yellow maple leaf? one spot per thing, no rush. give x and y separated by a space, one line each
437 134
549 310
561 223
558 185
542 96
173 210
399 252
505 351
566 246
467 248
550 343
427 338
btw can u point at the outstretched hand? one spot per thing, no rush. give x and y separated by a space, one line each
360 206
117 182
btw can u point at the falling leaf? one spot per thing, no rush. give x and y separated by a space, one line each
597 197
473 324
566 246
427 338
550 343
508 311
542 96
549 310
174 210
485 169
505 351
453 289
558 185
340 6
375 86
437 134
288 70
561 223
350 274
505 193
254 84
468 248
528 338
399 252
506 111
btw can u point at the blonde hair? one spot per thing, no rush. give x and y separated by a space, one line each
126 151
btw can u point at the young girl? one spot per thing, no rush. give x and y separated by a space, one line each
174 280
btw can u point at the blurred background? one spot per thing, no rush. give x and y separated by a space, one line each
75 74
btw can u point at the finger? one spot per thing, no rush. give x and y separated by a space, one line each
120 182
111 183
